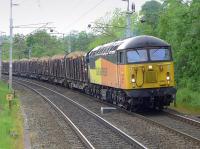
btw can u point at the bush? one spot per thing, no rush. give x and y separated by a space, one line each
188 99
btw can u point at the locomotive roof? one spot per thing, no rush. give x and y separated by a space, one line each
143 41
130 43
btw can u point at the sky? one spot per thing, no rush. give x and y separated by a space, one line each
64 15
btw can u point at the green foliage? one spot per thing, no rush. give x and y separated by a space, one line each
188 99
9 121
19 46
150 13
79 41
180 26
109 28
42 44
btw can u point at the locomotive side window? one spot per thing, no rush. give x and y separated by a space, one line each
121 57
160 54
135 56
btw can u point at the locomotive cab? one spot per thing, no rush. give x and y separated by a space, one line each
146 71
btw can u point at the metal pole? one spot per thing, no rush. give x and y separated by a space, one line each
29 52
11 44
69 43
0 54
128 29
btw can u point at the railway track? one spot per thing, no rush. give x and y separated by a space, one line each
193 141
186 128
93 130
183 118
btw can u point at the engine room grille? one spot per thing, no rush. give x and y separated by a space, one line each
151 77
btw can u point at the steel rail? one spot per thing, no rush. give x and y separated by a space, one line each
187 136
183 118
73 126
172 130
127 137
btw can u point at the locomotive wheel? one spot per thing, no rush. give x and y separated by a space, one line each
160 107
135 108
127 106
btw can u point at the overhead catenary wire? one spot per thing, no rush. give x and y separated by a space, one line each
34 24
22 1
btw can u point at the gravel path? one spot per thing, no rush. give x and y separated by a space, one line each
148 134
47 130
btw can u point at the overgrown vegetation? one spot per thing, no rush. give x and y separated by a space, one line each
188 101
10 122
176 21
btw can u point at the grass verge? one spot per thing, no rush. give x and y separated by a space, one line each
187 101
11 122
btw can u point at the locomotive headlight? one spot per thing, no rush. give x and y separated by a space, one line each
150 67
168 78
133 80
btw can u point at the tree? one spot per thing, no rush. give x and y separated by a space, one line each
109 28
19 46
179 25
79 41
150 14
43 44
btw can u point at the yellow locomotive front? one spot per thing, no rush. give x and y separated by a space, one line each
146 72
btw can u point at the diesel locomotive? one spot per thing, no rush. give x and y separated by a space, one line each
134 73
